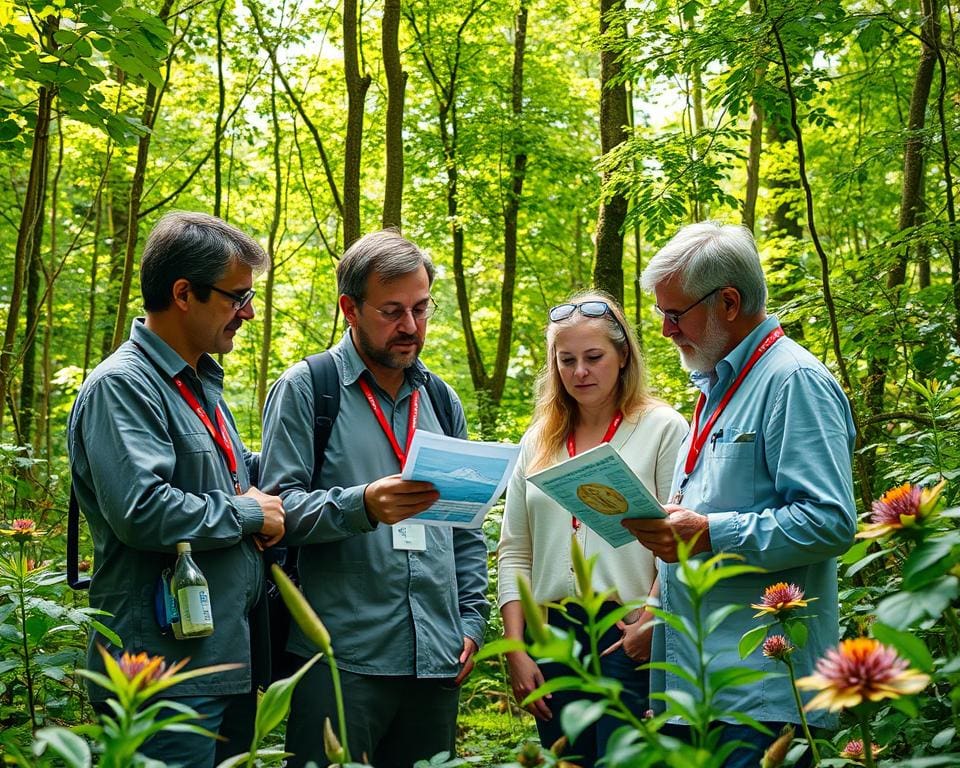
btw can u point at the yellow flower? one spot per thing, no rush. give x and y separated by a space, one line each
903 507
780 598
860 670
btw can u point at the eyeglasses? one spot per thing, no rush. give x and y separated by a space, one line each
674 317
240 300
423 311
587 309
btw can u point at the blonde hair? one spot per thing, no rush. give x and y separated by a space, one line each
555 411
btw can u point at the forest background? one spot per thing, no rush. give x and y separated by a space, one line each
532 147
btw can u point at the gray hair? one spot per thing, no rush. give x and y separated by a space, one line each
707 256
386 254
195 247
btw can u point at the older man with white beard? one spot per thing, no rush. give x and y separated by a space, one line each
765 472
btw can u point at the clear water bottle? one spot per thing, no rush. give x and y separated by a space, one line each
190 590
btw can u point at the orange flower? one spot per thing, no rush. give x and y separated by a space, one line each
143 669
780 598
905 506
860 670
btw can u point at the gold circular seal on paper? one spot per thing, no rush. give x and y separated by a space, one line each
602 498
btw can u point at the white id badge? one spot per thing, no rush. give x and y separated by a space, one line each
410 536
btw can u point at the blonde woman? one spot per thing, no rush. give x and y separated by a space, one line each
591 391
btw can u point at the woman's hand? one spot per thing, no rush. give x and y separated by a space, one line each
525 677
636 638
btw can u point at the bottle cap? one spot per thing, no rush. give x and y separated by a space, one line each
183 546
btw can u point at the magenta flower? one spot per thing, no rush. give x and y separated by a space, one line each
905 506
777 647
780 598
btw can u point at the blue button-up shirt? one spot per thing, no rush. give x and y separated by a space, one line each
775 481
389 611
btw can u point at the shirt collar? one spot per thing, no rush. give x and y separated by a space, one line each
353 365
163 356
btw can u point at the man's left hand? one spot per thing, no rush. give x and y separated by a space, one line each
661 536
466 660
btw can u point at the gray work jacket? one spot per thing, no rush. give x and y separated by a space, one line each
147 475
389 612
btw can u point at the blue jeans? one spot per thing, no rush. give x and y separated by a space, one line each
592 743
232 717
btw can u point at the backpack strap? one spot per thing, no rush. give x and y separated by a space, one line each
326 406
73 544
442 402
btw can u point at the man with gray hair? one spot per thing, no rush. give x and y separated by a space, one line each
156 460
405 605
764 474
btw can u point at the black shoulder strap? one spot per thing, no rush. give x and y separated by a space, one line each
326 406
73 544
442 403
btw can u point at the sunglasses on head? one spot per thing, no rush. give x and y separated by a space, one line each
587 309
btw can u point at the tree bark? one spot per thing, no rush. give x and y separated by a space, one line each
393 133
749 217
151 107
357 86
608 255
221 108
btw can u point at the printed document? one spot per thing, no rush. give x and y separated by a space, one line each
598 488
470 476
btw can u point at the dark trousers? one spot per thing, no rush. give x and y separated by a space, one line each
592 743
394 721
754 743
231 717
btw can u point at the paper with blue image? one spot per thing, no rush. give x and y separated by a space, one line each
598 488
470 476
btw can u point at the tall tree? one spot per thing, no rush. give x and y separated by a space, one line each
357 86
608 257
393 138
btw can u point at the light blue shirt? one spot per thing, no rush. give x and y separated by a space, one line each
775 481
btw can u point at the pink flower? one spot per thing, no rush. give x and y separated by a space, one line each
142 669
780 598
860 670
905 506
854 750
777 647
21 529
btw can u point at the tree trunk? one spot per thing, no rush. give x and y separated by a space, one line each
608 262
357 86
117 216
31 316
150 108
910 193
266 321
31 211
393 133
749 217
92 291
221 108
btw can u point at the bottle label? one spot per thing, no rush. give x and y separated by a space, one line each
196 617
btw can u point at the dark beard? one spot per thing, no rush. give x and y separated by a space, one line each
385 357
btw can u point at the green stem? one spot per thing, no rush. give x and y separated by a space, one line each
28 672
803 716
700 728
867 740
341 715
951 616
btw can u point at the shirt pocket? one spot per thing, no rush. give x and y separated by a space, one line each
729 475
187 443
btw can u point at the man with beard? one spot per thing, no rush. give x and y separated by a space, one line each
764 474
405 605
156 460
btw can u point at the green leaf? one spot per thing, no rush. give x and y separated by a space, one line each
718 616
108 633
499 647
797 632
856 552
864 561
905 609
275 703
928 561
751 640
907 644
731 677
577 716
70 747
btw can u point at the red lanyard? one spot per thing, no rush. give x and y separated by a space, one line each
378 412
219 433
607 437
699 437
